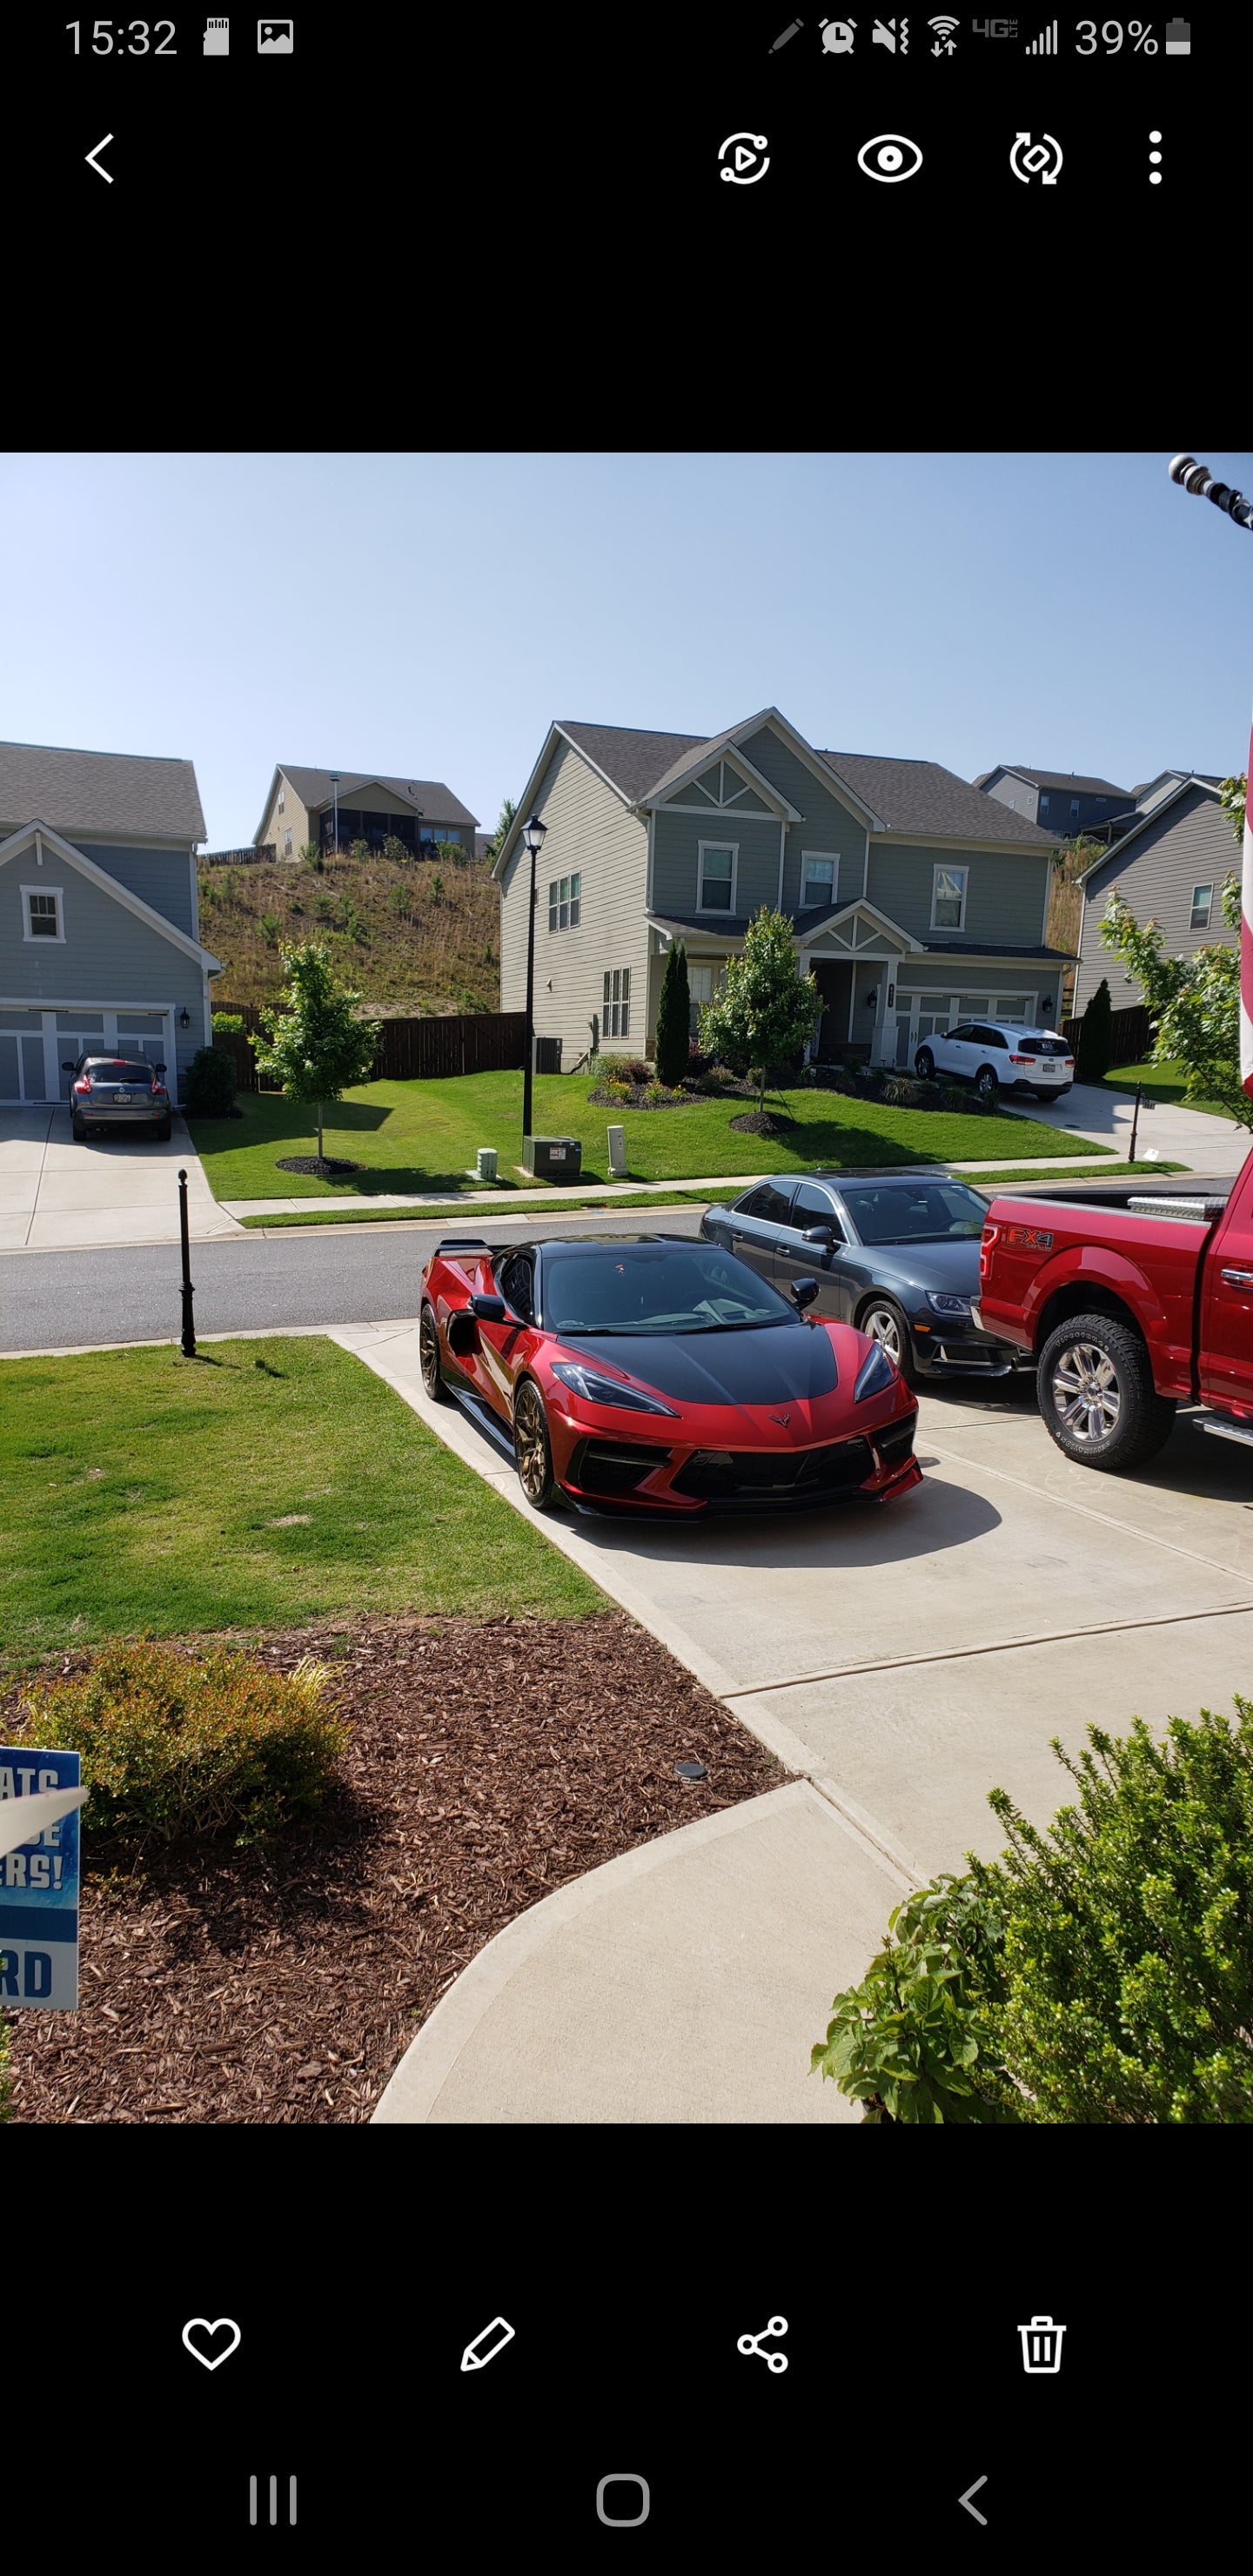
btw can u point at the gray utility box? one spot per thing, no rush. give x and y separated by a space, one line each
552 1158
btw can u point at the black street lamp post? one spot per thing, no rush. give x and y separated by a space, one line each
533 835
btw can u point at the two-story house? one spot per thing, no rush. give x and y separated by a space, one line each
332 809
1059 802
915 899
1169 861
99 924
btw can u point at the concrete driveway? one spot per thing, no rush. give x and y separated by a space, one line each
1190 1136
117 1189
904 1661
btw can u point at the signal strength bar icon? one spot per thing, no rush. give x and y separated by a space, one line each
1045 43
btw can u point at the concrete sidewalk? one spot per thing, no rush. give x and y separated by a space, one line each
902 1663
119 1189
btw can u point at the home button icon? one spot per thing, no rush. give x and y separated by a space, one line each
617 2498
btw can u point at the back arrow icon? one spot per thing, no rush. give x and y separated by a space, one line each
971 2508
91 157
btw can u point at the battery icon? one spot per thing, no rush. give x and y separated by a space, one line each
1178 36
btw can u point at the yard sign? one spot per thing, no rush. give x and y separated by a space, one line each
39 1883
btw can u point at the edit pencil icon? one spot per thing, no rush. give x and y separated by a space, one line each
486 2345
787 35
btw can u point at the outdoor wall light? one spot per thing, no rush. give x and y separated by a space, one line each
184 1019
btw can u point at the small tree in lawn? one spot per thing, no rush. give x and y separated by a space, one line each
313 1046
763 1010
1195 1002
1095 1030
674 1013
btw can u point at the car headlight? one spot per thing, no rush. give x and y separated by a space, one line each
943 1304
596 1389
875 1375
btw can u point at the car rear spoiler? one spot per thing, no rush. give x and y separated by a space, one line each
463 1243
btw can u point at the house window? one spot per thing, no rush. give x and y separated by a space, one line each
287 845
43 912
564 903
1202 906
282 800
616 1010
948 898
1074 807
717 877
1044 804
819 880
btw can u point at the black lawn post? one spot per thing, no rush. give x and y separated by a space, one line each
189 1329
1135 1121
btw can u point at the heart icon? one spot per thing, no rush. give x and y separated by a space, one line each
210 2333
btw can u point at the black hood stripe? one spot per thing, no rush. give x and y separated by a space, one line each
775 1364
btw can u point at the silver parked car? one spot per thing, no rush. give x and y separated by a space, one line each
118 1091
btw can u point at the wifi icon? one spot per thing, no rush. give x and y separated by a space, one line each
944 30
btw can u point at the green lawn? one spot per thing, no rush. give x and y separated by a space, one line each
265 1483
419 1136
1161 1082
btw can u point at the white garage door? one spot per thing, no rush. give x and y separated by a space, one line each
35 1046
919 1015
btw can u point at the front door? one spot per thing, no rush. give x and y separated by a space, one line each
795 1259
835 988
755 1227
1227 1319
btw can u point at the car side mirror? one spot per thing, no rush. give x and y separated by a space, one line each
158 1068
819 1234
489 1310
804 1292
66 1066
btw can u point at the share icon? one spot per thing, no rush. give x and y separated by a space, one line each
747 2343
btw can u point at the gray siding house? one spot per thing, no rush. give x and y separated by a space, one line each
99 926
302 806
1056 799
1170 863
915 900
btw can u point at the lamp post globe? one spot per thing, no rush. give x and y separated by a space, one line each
533 835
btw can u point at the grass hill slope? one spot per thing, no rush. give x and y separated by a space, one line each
418 936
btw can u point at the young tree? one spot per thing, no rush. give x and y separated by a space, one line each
1095 1036
1231 796
1194 1000
313 1046
763 1010
507 812
673 1019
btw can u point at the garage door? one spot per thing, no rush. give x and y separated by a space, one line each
919 1015
21 1055
36 1045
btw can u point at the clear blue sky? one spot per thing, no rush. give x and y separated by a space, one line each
428 615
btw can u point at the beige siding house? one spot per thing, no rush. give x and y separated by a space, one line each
915 899
1170 866
306 805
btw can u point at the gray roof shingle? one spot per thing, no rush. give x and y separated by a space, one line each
911 795
920 796
1063 778
99 791
435 801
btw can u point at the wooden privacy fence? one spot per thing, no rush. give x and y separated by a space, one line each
409 1050
265 852
1130 1034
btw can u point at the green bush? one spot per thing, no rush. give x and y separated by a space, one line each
209 1083
358 850
1095 1036
674 1013
954 1095
394 849
176 1747
1099 1973
270 926
903 1091
228 1023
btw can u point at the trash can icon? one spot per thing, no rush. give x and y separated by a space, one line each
1041 2345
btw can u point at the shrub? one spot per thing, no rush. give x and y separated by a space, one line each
176 1746
270 925
398 901
954 1096
311 857
394 849
1099 1973
437 888
228 1023
209 1083
674 1014
1095 1036
358 849
901 1091
697 1060
324 909
228 884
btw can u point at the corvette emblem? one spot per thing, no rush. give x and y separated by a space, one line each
782 1418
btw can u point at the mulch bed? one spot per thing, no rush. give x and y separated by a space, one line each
488 1764
329 1169
764 1122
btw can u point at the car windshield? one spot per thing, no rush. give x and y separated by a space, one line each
655 1288
933 1212
115 1068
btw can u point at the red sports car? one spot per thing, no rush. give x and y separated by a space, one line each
647 1373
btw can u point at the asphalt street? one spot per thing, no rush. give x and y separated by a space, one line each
306 1275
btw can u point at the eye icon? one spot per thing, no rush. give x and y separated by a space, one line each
889 157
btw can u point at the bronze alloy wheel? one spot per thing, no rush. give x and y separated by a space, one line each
531 1447
886 1324
428 1354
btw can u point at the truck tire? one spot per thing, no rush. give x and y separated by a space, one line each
1097 1396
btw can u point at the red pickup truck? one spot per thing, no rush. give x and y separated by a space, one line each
1132 1300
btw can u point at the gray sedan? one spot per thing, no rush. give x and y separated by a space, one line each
896 1253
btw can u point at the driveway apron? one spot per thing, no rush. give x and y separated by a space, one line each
116 1189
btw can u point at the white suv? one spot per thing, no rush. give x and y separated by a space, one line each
997 1057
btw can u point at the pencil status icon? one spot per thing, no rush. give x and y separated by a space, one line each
486 2345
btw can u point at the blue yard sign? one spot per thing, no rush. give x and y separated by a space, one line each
38 1885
